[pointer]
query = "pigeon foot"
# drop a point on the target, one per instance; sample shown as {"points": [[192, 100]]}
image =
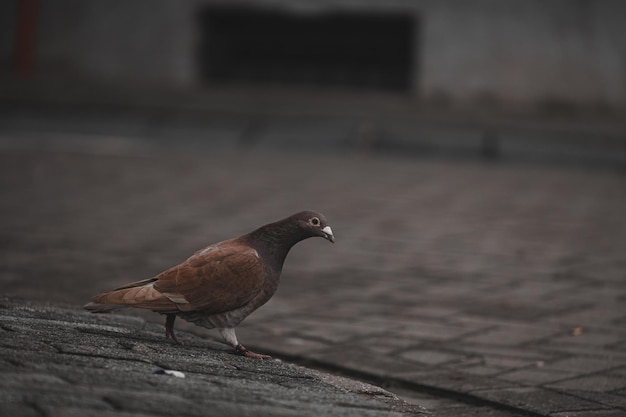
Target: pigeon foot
{"points": [[241, 350]]}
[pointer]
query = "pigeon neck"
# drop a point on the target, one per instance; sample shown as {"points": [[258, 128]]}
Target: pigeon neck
{"points": [[275, 240]]}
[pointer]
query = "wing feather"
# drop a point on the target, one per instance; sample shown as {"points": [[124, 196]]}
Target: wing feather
{"points": [[217, 279], [140, 294]]}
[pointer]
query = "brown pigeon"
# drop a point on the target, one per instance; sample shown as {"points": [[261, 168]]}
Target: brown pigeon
{"points": [[221, 284]]}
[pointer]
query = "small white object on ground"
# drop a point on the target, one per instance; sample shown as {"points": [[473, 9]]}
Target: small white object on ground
{"points": [[170, 372]]}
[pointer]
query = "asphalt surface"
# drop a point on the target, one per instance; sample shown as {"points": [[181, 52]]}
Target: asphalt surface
{"points": [[62, 362], [463, 287]]}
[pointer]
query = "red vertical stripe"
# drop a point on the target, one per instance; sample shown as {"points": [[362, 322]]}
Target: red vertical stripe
{"points": [[26, 38]]}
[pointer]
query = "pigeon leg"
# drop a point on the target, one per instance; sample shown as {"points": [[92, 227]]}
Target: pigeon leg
{"points": [[169, 327], [231, 338]]}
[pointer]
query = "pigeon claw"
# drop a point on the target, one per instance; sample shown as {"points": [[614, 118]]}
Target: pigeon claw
{"points": [[241, 350]]}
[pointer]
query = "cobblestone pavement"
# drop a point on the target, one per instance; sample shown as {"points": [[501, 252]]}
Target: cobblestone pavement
{"points": [[484, 284]]}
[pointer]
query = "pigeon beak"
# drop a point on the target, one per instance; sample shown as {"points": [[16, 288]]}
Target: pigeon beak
{"points": [[328, 234]]}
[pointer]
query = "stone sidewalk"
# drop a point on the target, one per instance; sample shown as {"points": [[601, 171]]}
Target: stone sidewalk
{"points": [[486, 285]]}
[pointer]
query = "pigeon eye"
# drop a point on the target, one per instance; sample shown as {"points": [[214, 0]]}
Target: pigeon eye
{"points": [[315, 221]]}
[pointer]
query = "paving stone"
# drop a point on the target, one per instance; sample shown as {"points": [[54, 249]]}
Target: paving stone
{"points": [[579, 350], [434, 330], [600, 383], [431, 357], [452, 380], [511, 335], [480, 370], [292, 344], [538, 400], [589, 338], [586, 365], [501, 354], [535, 377], [386, 343], [353, 357]]}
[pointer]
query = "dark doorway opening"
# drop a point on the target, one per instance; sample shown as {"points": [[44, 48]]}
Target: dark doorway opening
{"points": [[337, 50]]}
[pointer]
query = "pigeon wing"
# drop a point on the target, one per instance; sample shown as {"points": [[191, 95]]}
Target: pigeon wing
{"points": [[217, 279]]}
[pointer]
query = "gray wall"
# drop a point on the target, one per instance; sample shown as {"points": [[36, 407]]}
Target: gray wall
{"points": [[526, 51], [145, 41], [518, 52]]}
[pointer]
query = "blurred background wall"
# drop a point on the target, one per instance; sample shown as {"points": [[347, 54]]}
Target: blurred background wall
{"points": [[486, 53]]}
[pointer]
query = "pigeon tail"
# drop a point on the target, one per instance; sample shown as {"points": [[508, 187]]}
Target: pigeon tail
{"points": [[140, 294], [101, 308]]}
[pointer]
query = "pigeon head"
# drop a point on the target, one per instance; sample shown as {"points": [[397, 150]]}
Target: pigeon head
{"points": [[280, 236], [313, 224]]}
